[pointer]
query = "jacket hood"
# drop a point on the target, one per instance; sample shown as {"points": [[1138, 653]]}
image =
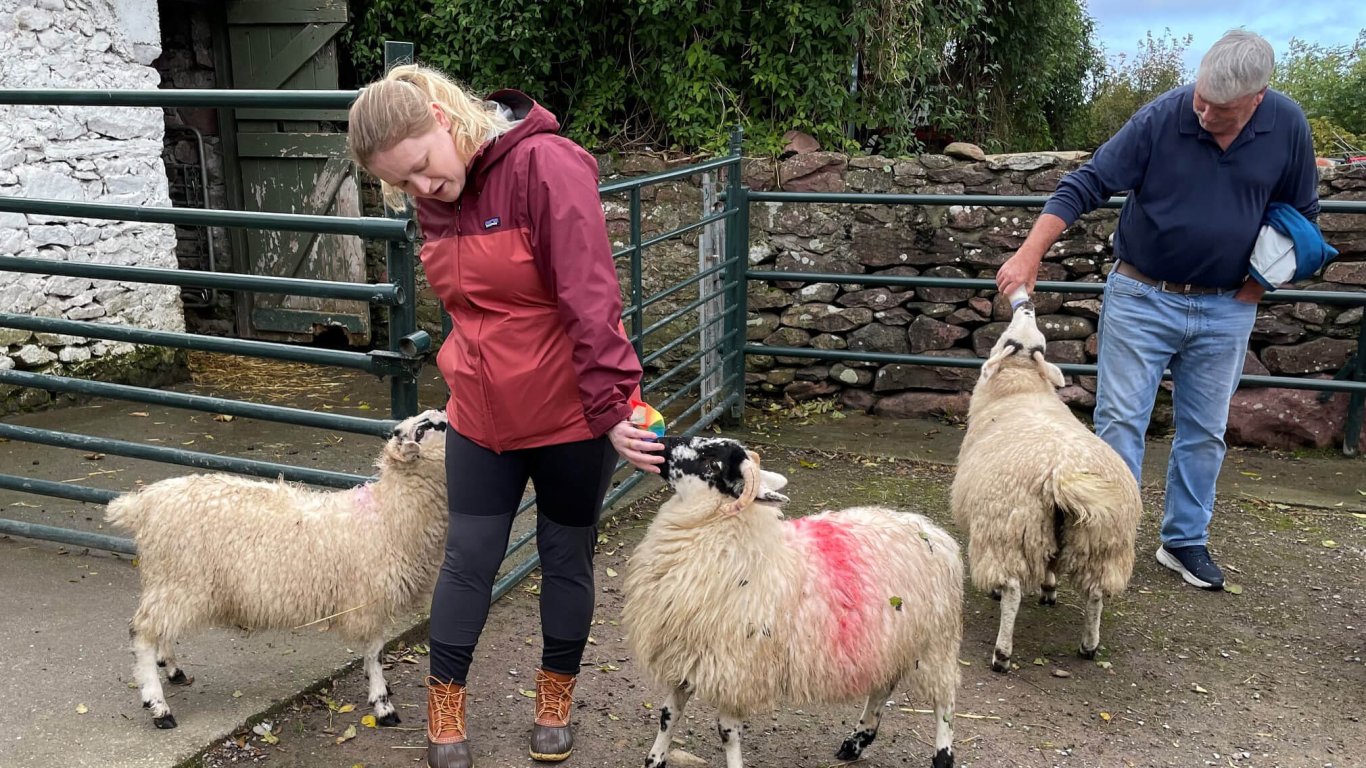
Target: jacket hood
{"points": [[532, 119]]}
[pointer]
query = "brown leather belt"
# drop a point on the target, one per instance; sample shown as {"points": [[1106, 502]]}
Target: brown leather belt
{"points": [[1129, 271]]}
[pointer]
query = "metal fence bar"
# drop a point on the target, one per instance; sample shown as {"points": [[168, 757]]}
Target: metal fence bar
{"points": [[59, 490], [986, 201], [398, 259], [181, 457], [637, 289], [1285, 295], [67, 536], [677, 173], [1284, 382], [377, 228], [689, 307], [680, 231], [247, 410], [264, 349], [382, 293], [178, 97]]}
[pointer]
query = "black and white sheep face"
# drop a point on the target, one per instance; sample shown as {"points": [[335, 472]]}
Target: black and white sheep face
{"points": [[1023, 339], [426, 426], [716, 463]]}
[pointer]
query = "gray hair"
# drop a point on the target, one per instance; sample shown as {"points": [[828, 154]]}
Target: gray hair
{"points": [[1239, 64]]}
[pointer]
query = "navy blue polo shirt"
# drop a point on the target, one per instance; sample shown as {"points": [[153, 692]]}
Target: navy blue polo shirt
{"points": [[1194, 210]]}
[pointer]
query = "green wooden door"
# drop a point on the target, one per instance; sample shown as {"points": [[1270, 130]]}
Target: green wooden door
{"points": [[294, 161]]}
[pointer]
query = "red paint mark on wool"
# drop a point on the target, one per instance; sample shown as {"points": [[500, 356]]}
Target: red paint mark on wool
{"points": [[843, 585]]}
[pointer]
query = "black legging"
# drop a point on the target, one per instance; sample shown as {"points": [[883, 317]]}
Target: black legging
{"points": [[485, 489]]}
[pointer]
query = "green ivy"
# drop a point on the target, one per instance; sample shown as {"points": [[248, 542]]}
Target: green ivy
{"points": [[679, 74]]}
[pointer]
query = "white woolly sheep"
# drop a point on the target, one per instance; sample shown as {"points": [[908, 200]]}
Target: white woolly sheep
{"points": [[727, 601], [1038, 494], [222, 550]]}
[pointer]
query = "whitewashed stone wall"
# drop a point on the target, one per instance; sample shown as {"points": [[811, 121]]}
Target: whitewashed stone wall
{"points": [[82, 154]]}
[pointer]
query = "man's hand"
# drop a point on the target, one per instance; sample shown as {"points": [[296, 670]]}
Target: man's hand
{"points": [[1251, 292], [1021, 269]]}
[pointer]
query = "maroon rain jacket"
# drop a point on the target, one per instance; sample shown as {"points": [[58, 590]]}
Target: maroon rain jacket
{"points": [[537, 355]]}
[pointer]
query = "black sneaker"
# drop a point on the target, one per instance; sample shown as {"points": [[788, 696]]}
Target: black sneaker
{"points": [[1194, 565]]}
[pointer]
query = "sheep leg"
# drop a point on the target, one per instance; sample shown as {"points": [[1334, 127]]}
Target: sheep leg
{"points": [[1049, 589], [1010, 605], [729, 728], [1090, 640], [385, 714], [175, 674], [868, 723], [669, 715], [149, 683], [943, 730]]}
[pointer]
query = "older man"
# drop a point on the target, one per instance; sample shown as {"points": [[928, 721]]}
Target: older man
{"points": [[1201, 164]]}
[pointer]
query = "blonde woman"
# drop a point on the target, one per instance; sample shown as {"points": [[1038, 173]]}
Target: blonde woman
{"points": [[539, 368]]}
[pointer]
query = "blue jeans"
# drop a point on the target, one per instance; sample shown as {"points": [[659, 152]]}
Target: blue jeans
{"points": [[1203, 340]]}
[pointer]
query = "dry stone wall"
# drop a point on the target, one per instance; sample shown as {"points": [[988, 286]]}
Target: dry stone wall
{"points": [[81, 154], [970, 241]]}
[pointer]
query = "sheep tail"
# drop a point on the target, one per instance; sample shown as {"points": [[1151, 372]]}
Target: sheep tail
{"points": [[1081, 494], [125, 511], [750, 471]]}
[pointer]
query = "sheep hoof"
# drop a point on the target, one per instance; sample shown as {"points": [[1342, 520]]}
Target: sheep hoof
{"points": [[389, 721], [996, 595], [1087, 654], [165, 722], [1048, 598], [943, 759], [180, 678], [1000, 662]]}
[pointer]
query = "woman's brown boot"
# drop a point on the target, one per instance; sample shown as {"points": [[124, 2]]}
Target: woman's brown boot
{"points": [[551, 739], [446, 745]]}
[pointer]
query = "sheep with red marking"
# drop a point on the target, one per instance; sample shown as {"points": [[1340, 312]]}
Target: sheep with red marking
{"points": [[729, 602], [222, 550], [1037, 492]]}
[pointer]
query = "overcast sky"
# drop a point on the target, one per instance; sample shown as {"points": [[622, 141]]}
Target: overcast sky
{"points": [[1120, 24]]}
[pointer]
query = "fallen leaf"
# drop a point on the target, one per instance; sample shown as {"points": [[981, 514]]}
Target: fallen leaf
{"points": [[612, 717], [1061, 673], [526, 693], [237, 694], [896, 602], [81, 709], [1233, 589], [964, 662], [808, 464], [138, 413], [1104, 664], [223, 417], [369, 721], [347, 735], [270, 738], [343, 709], [611, 574], [1196, 687], [1105, 716], [1252, 475], [1329, 543], [608, 668], [1039, 662]]}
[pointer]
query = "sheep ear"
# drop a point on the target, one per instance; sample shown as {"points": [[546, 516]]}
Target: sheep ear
{"points": [[993, 363], [769, 485], [1050, 372]]}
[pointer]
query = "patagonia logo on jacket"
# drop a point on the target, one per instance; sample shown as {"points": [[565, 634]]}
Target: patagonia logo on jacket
{"points": [[493, 222]]}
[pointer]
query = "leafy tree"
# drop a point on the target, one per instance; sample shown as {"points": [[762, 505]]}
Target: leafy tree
{"points": [[1329, 82], [680, 73], [1127, 84]]}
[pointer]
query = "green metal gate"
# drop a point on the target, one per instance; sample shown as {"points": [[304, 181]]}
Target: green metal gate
{"points": [[291, 160]]}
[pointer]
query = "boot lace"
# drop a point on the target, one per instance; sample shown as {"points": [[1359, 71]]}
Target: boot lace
{"points": [[448, 707], [553, 698]]}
